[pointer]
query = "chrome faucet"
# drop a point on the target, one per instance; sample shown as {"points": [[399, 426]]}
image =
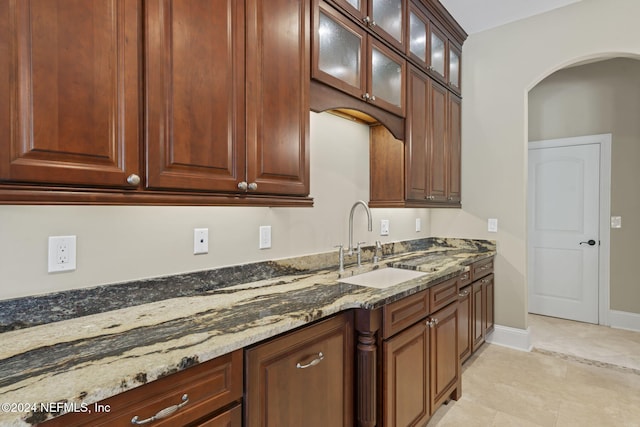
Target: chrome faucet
{"points": [[369, 224]]}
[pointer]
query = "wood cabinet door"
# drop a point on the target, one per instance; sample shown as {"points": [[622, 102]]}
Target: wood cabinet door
{"points": [[387, 78], [488, 287], [387, 19], [445, 359], [194, 94], [230, 418], [405, 376], [479, 318], [303, 378], [454, 149], [70, 110], [339, 51], [277, 95], [464, 323], [437, 143], [417, 129]]}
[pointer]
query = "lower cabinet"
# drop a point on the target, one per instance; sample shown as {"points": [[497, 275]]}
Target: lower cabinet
{"points": [[208, 394], [445, 361], [464, 323], [303, 378], [407, 358], [476, 308]]}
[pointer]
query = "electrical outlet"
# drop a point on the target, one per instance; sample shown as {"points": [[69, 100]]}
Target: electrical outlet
{"points": [[492, 225], [384, 227], [62, 253], [200, 241], [418, 225], [265, 237]]}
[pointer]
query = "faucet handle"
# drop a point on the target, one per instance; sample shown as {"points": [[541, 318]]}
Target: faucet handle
{"points": [[359, 244]]}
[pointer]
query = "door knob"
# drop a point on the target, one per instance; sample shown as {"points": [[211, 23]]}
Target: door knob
{"points": [[590, 242]]}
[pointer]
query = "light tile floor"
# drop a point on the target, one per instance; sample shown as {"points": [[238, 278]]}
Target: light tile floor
{"points": [[506, 387]]}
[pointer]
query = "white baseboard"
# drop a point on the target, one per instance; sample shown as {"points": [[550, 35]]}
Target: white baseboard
{"points": [[624, 320], [505, 336]]}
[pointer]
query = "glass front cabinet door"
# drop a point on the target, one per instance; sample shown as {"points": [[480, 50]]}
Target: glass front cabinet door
{"points": [[387, 78], [455, 63], [417, 47], [387, 20], [339, 51], [438, 54]]}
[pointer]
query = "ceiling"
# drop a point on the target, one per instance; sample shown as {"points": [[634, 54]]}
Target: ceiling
{"points": [[479, 15]]}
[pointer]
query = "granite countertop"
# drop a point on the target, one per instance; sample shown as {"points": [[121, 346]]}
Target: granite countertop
{"points": [[89, 352]]}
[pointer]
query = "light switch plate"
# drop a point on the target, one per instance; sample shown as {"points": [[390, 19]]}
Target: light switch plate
{"points": [[492, 225], [265, 237], [616, 222], [418, 225]]}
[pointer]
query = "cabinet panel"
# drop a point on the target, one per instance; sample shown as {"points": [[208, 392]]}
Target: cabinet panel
{"points": [[488, 287], [195, 94], [406, 378], [479, 323], [278, 74], [455, 150], [302, 378], [445, 360], [416, 134], [464, 323], [73, 101], [443, 294], [437, 143]]}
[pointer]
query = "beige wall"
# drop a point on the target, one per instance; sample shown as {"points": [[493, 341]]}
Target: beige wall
{"points": [[118, 244], [500, 66], [603, 97]]}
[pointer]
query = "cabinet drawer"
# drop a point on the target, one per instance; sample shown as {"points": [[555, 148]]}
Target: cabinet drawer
{"points": [[401, 314], [302, 378], [482, 268], [209, 387], [465, 278], [443, 294]]}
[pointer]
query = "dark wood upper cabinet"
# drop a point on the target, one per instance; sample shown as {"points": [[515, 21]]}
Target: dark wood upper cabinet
{"points": [[156, 102], [278, 75], [70, 93], [385, 18], [349, 59], [455, 68], [195, 94], [454, 172], [437, 155]]}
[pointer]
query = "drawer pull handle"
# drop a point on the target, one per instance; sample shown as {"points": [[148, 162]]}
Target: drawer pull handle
{"points": [[463, 294], [485, 281], [314, 362], [431, 323], [164, 413]]}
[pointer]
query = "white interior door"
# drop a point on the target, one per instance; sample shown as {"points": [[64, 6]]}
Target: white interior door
{"points": [[564, 243]]}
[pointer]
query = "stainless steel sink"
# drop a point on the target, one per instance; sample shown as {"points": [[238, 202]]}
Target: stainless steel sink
{"points": [[383, 278]]}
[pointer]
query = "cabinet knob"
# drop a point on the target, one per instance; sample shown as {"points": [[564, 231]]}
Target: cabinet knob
{"points": [[369, 22], [252, 186], [243, 186], [432, 322], [133, 179], [366, 96]]}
